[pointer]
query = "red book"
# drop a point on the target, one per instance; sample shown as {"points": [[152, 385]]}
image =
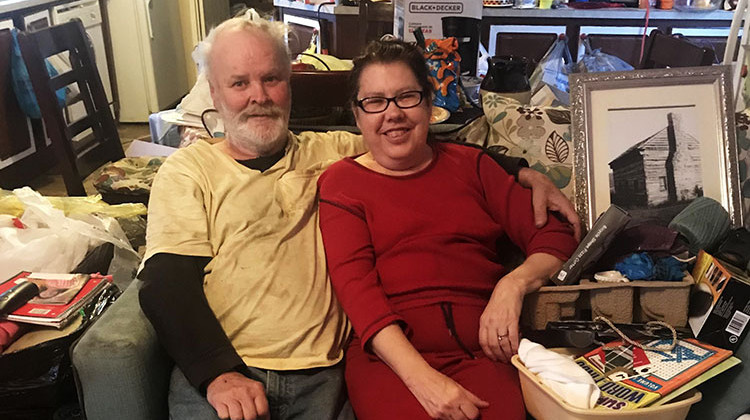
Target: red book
{"points": [[630, 377], [60, 298]]}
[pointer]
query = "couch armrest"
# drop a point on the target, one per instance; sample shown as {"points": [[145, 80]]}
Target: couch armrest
{"points": [[121, 369]]}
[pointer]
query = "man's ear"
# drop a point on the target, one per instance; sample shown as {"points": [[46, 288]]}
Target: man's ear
{"points": [[212, 91]]}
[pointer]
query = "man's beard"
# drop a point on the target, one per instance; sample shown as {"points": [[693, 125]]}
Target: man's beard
{"points": [[257, 137]]}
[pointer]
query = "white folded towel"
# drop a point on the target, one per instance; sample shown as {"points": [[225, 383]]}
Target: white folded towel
{"points": [[568, 380]]}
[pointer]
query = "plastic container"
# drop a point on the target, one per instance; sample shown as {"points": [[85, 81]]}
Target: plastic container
{"points": [[697, 5], [544, 404]]}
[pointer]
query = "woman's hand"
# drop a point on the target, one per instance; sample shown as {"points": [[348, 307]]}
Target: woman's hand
{"points": [[444, 398], [439, 395], [498, 325]]}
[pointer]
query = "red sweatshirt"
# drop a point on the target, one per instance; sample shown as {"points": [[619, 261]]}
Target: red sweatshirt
{"points": [[397, 242]]}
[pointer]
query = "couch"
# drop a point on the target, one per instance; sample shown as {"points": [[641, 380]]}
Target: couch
{"points": [[122, 371]]}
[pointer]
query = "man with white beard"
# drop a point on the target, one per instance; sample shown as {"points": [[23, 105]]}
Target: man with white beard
{"points": [[236, 284]]}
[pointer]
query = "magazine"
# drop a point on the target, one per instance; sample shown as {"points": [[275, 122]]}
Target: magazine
{"points": [[630, 377], [48, 310], [56, 289]]}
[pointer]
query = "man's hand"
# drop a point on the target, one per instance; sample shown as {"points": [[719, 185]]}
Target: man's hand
{"points": [[546, 196], [237, 397]]}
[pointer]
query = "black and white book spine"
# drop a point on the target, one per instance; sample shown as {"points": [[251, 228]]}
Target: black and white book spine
{"points": [[593, 245]]}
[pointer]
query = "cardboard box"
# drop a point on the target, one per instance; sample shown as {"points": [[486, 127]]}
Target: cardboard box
{"points": [[411, 14], [623, 303], [720, 309]]}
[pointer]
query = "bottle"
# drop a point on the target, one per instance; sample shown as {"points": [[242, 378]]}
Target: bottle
{"points": [[666, 4]]}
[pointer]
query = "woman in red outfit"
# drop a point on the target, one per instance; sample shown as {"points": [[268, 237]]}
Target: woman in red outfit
{"points": [[411, 230]]}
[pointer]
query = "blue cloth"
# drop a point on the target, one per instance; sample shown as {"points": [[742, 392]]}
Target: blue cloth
{"points": [[641, 266], [636, 267], [669, 269], [22, 82], [302, 394]]}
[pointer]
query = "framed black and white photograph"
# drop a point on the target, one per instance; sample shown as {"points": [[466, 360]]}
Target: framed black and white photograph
{"points": [[651, 141]]}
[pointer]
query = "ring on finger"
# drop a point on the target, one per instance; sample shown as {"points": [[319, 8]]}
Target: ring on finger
{"points": [[501, 337]]}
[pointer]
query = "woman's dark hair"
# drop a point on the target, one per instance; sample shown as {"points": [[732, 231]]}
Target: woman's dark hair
{"points": [[391, 51]]}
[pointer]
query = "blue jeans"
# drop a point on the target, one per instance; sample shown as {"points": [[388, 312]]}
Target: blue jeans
{"points": [[299, 394]]}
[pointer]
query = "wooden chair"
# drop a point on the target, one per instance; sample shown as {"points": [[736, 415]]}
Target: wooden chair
{"points": [[532, 46], [625, 47], [76, 158], [662, 51]]}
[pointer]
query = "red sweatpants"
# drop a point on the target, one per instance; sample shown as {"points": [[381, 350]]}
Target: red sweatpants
{"points": [[377, 393]]}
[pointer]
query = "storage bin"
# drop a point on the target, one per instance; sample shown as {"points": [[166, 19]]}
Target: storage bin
{"points": [[544, 404], [635, 301]]}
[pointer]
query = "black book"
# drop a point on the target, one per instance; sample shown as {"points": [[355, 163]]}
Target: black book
{"points": [[593, 245]]}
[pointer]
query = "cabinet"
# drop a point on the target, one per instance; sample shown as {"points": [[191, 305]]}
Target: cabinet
{"points": [[344, 30], [25, 151]]}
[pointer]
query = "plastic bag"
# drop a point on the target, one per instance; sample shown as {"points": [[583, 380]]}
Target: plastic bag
{"points": [[443, 63], [52, 242], [92, 204], [594, 60], [36, 380], [553, 69]]}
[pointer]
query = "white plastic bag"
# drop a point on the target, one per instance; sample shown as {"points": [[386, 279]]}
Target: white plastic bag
{"points": [[553, 70], [594, 60], [53, 242]]}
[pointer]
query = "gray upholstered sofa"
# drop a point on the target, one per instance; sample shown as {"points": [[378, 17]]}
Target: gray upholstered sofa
{"points": [[121, 370]]}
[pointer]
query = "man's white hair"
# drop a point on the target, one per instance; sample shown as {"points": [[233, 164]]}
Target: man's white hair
{"points": [[251, 22]]}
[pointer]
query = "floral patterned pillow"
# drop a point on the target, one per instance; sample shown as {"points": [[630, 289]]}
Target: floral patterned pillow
{"points": [[540, 135], [742, 122]]}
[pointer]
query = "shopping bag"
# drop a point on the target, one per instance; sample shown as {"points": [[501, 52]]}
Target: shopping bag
{"points": [[554, 68], [594, 60], [443, 63], [49, 241]]}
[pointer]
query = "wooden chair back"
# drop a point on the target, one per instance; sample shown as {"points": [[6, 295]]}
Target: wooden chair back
{"points": [[531, 46], [624, 47], [662, 51], [100, 142]]}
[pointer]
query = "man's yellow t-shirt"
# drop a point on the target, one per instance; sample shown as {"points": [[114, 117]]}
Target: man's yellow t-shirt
{"points": [[267, 281]]}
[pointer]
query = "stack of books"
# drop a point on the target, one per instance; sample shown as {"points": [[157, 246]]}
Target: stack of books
{"points": [[60, 296], [630, 377]]}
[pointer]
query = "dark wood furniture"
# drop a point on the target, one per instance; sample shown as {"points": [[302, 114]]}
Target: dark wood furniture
{"points": [[625, 47], [344, 30], [662, 51], [531, 46], [77, 158], [319, 98], [573, 20]]}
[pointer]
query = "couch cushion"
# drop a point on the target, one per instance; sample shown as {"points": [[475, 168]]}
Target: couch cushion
{"points": [[540, 135], [122, 371]]}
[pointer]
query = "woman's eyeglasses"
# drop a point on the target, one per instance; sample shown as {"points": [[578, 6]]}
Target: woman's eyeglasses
{"points": [[405, 100]]}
